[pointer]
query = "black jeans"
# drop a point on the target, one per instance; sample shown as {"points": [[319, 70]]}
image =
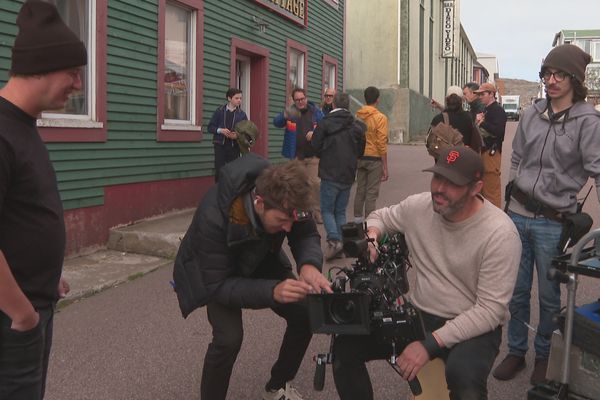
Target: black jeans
{"points": [[468, 363], [24, 358], [224, 154], [228, 332]]}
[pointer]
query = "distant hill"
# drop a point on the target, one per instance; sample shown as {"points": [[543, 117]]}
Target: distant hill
{"points": [[526, 89]]}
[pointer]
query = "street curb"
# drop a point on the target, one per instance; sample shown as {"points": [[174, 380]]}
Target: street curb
{"points": [[94, 289]]}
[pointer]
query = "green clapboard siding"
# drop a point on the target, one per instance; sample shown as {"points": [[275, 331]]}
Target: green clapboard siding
{"points": [[131, 153]]}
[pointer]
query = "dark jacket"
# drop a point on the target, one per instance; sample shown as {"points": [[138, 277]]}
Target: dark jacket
{"points": [[462, 121], [494, 123], [339, 140], [292, 139], [224, 260], [476, 107], [218, 121]]}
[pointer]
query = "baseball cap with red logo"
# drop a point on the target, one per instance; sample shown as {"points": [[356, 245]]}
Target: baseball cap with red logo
{"points": [[459, 164]]}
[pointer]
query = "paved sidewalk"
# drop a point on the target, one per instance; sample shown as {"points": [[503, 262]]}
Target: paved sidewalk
{"points": [[132, 251]]}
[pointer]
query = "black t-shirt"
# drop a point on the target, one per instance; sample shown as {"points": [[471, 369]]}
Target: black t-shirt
{"points": [[32, 228]]}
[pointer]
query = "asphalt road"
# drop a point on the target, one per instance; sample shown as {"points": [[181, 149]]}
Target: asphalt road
{"points": [[130, 342]]}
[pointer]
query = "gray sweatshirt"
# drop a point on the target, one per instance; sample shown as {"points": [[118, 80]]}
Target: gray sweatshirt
{"points": [[464, 271], [552, 160]]}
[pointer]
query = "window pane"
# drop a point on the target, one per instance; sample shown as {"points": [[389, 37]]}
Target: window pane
{"points": [[177, 63], [596, 51], [330, 76], [296, 77], [75, 13]]}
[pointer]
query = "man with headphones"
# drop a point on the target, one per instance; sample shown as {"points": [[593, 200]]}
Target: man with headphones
{"points": [[555, 150]]}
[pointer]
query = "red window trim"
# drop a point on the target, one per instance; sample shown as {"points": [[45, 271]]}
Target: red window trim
{"points": [[259, 98], [327, 59], [292, 44], [65, 134], [171, 135]]}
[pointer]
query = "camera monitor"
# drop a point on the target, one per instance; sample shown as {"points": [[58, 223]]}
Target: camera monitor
{"points": [[340, 313]]}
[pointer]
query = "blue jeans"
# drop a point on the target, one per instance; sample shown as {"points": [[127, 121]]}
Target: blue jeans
{"points": [[334, 200], [24, 357], [539, 238]]}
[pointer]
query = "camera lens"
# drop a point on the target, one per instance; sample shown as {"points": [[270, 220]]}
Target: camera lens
{"points": [[343, 311]]}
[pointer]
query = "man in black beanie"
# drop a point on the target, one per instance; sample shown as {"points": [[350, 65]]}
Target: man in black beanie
{"points": [[45, 70], [555, 150]]}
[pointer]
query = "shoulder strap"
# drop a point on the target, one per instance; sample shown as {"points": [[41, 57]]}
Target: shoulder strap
{"points": [[446, 119]]}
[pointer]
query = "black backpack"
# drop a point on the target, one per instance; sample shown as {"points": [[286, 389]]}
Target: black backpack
{"points": [[442, 136]]}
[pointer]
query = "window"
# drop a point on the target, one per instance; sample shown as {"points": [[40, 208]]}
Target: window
{"points": [[296, 65], [330, 67], [179, 70], [595, 51], [85, 111]]}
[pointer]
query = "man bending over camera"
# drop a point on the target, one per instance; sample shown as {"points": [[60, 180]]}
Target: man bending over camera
{"points": [[465, 252], [231, 259]]}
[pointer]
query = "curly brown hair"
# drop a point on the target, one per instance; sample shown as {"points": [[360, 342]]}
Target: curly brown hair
{"points": [[286, 185]]}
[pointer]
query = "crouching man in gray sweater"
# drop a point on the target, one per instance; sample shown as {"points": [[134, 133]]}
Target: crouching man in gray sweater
{"points": [[465, 253]]}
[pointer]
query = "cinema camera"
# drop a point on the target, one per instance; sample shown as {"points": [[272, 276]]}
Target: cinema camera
{"points": [[368, 299]]}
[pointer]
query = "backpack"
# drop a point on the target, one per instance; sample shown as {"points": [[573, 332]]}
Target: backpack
{"points": [[442, 136]]}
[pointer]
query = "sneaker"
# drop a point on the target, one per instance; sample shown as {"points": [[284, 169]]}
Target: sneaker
{"points": [[333, 248], [539, 371], [285, 393], [509, 367]]}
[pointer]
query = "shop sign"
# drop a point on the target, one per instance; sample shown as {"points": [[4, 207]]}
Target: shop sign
{"points": [[448, 29], [292, 9]]}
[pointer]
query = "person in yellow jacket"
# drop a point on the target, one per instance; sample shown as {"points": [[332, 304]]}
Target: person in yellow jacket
{"points": [[372, 166]]}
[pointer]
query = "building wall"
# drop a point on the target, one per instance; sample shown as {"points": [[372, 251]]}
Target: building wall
{"points": [[372, 50], [420, 71], [131, 175]]}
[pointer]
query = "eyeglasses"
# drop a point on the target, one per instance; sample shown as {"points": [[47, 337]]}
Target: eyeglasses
{"points": [[328, 95], [300, 100], [559, 76], [295, 214]]}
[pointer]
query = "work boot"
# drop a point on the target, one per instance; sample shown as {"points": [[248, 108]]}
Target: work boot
{"points": [[509, 367], [332, 249], [539, 371]]}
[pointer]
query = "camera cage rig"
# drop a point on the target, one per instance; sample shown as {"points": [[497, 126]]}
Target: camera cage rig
{"points": [[369, 298]]}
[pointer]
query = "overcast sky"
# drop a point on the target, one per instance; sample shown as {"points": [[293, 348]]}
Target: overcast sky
{"points": [[520, 32]]}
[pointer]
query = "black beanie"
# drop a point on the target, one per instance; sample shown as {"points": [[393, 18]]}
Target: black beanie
{"points": [[44, 42], [568, 58]]}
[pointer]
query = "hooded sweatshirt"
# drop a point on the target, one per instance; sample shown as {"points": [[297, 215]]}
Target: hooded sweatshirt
{"points": [[377, 131], [552, 160]]}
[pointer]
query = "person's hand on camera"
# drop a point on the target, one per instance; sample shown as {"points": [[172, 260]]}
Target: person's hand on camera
{"points": [[318, 283], [411, 360], [373, 234], [290, 291]]}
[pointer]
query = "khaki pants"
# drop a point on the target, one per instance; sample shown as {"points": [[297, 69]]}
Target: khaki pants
{"points": [[312, 165], [491, 178]]}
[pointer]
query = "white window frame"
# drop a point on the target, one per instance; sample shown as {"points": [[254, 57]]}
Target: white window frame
{"points": [[187, 124], [90, 119]]}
